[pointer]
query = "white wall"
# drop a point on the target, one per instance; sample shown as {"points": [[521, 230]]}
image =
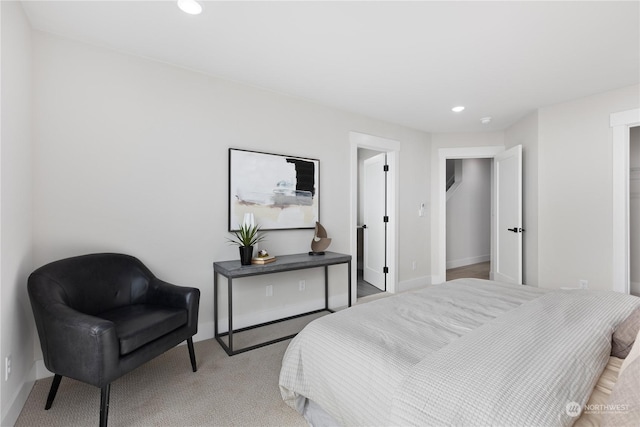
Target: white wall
{"points": [[469, 215], [414, 178], [131, 156], [525, 133], [575, 189], [634, 202], [17, 326]]}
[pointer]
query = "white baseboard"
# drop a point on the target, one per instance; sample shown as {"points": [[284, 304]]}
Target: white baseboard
{"points": [[205, 332], [10, 417], [467, 261], [41, 370], [418, 282], [436, 279], [249, 319], [206, 329]]}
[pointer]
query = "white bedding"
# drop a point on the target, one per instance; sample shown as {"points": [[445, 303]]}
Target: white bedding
{"points": [[437, 356]]}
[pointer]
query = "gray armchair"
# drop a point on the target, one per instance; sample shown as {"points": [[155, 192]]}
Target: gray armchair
{"points": [[100, 316]]}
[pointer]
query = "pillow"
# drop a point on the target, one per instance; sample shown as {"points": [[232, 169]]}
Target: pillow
{"points": [[625, 335]]}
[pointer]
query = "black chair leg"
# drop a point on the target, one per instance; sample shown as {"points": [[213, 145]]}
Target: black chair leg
{"points": [[104, 404], [53, 390], [192, 354]]}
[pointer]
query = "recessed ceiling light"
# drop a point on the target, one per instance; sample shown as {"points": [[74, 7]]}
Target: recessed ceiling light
{"points": [[485, 120], [457, 109], [192, 7]]}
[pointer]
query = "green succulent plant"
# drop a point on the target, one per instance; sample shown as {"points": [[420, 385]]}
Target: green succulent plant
{"points": [[246, 235]]}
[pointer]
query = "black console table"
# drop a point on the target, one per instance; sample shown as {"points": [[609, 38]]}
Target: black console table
{"points": [[233, 270]]}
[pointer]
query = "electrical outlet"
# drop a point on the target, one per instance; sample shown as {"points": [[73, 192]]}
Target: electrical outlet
{"points": [[301, 285], [7, 367], [269, 290], [413, 264], [584, 284]]}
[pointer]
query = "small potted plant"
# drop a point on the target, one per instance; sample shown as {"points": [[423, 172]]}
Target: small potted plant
{"points": [[246, 237]]}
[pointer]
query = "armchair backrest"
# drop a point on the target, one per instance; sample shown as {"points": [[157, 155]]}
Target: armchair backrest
{"points": [[92, 284]]}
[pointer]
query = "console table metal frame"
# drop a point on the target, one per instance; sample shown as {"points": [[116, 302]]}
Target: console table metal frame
{"points": [[233, 269]]}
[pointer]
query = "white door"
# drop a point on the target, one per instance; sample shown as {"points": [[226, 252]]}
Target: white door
{"points": [[374, 203], [508, 211]]}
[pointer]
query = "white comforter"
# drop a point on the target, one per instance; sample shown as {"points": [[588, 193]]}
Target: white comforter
{"points": [[468, 352]]}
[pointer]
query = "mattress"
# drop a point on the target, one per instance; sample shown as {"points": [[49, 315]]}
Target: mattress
{"points": [[464, 352], [318, 417]]}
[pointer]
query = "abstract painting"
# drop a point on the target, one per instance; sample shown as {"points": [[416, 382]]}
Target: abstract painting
{"points": [[282, 192]]}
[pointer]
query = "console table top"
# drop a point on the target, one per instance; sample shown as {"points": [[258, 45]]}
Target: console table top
{"points": [[234, 269]]}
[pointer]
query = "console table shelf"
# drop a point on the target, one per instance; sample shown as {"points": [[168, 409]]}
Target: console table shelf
{"points": [[233, 270]]}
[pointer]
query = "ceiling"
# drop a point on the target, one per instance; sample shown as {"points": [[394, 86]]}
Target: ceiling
{"points": [[403, 62]]}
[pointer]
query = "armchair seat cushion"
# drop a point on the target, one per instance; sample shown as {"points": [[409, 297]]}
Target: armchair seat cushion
{"points": [[139, 324]]}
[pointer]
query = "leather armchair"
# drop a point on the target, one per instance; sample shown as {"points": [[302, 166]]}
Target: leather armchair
{"points": [[100, 316]]}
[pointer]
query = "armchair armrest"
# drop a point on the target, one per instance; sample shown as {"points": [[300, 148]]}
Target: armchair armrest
{"points": [[72, 336], [166, 294], [163, 293]]}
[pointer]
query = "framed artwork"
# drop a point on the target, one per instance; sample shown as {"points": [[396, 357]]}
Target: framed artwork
{"points": [[282, 192]]}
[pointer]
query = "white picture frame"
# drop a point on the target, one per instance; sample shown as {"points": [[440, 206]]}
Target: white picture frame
{"points": [[282, 192]]}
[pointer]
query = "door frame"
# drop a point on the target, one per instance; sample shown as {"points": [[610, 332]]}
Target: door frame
{"points": [[439, 197], [621, 124], [392, 148]]}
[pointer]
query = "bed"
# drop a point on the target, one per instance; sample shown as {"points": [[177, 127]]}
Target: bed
{"points": [[467, 352]]}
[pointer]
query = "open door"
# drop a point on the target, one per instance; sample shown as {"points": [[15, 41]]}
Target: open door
{"points": [[374, 213], [508, 211]]}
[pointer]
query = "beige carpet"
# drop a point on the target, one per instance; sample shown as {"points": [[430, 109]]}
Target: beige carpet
{"points": [[226, 391]]}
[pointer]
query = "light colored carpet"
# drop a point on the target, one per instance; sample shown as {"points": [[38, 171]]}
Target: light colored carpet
{"points": [[226, 391]]}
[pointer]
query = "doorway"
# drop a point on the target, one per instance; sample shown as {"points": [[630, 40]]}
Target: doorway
{"points": [[468, 218], [390, 148], [372, 233], [622, 123], [506, 224]]}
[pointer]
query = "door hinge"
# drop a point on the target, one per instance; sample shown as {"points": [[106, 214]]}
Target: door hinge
{"points": [[385, 270], [385, 168], [385, 218]]}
